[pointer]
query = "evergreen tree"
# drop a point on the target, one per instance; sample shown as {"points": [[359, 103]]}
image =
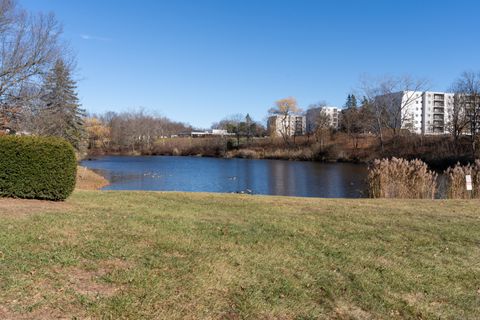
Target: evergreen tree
{"points": [[62, 113], [353, 101], [364, 101], [349, 102]]}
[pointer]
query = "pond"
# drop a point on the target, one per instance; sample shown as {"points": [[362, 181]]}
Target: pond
{"points": [[197, 174]]}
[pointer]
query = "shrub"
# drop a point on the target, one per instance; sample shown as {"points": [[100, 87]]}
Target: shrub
{"points": [[400, 178], [36, 168], [456, 183]]}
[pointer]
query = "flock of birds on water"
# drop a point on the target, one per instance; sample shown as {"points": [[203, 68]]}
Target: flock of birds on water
{"points": [[155, 175]]}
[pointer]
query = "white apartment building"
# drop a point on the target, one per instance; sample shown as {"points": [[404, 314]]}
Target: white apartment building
{"points": [[426, 112], [312, 116], [438, 110], [291, 125]]}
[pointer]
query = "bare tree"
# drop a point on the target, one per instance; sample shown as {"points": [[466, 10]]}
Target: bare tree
{"points": [[323, 127], [466, 115], [135, 131], [285, 109], [390, 100], [233, 124], [29, 47], [458, 121], [319, 122], [352, 124]]}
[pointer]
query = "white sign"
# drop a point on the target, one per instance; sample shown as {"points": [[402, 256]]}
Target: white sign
{"points": [[468, 180]]}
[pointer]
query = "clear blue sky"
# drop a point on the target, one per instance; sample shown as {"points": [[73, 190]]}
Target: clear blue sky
{"points": [[198, 61]]}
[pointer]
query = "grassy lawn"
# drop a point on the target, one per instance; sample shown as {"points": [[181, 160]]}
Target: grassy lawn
{"points": [[205, 256]]}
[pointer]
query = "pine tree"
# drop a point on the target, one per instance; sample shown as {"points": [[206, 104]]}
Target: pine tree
{"points": [[353, 103], [63, 115], [349, 102]]}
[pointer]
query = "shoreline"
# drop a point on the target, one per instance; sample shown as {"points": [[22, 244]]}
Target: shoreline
{"points": [[91, 157], [437, 165], [89, 180]]}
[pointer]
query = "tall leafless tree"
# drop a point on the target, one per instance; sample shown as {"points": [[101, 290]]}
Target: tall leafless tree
{"points": [[466, 115], [285, 109], [135, 131], [390, 99], [29, 47], [320, 126]]}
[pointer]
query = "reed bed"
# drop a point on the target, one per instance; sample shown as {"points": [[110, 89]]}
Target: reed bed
{"points": [[456, 181], [400, 178]]}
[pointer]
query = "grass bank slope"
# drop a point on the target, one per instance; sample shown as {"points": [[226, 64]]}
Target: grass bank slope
{"points": [[206, 256]]}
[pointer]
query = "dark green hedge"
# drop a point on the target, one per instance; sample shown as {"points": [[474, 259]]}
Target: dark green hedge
{"points": [[36, 168]]}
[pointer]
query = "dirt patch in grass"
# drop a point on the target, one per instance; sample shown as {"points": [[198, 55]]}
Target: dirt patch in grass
{"points": [[89, 180], [53, 301], [22, 207], [89, 282], [38, 314], [346, 310], [110, 265], [45, 301]]}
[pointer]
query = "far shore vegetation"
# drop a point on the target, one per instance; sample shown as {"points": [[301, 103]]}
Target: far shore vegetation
{"points": [[439, 152]]}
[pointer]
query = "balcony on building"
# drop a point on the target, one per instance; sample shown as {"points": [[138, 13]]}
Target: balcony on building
{"points": [[438, 110], [438, 97]]}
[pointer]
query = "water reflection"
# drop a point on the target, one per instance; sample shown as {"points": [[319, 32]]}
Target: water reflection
{"points": [[273, 177]]}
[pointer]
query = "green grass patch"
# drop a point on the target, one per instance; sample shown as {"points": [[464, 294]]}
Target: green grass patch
{"points": [[211, 256]]}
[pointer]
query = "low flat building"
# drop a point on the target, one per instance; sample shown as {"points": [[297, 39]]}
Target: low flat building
{"points": [[205, 133]]}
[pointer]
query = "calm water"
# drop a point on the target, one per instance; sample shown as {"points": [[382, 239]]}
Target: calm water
{"points": [[272, 177]]}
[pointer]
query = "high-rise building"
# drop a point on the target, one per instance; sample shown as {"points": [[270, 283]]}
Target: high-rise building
{"points": [[313, 114], [426, 112], [286, 125]]}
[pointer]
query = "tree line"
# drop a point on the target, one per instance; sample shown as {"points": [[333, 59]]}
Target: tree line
{"points": [[131, 132]]}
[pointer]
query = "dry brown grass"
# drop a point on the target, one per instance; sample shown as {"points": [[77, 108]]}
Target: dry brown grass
{"points": [[456, 181], [86, 180], [89, 180], [400, 178], [23, 207], [210, 146]]}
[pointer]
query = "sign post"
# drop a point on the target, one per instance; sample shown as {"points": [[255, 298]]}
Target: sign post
{"points": [[468, 182]]}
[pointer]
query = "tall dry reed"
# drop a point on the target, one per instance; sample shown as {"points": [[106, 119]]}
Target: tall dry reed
{"points": [[400, 178], [456, 181]]}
